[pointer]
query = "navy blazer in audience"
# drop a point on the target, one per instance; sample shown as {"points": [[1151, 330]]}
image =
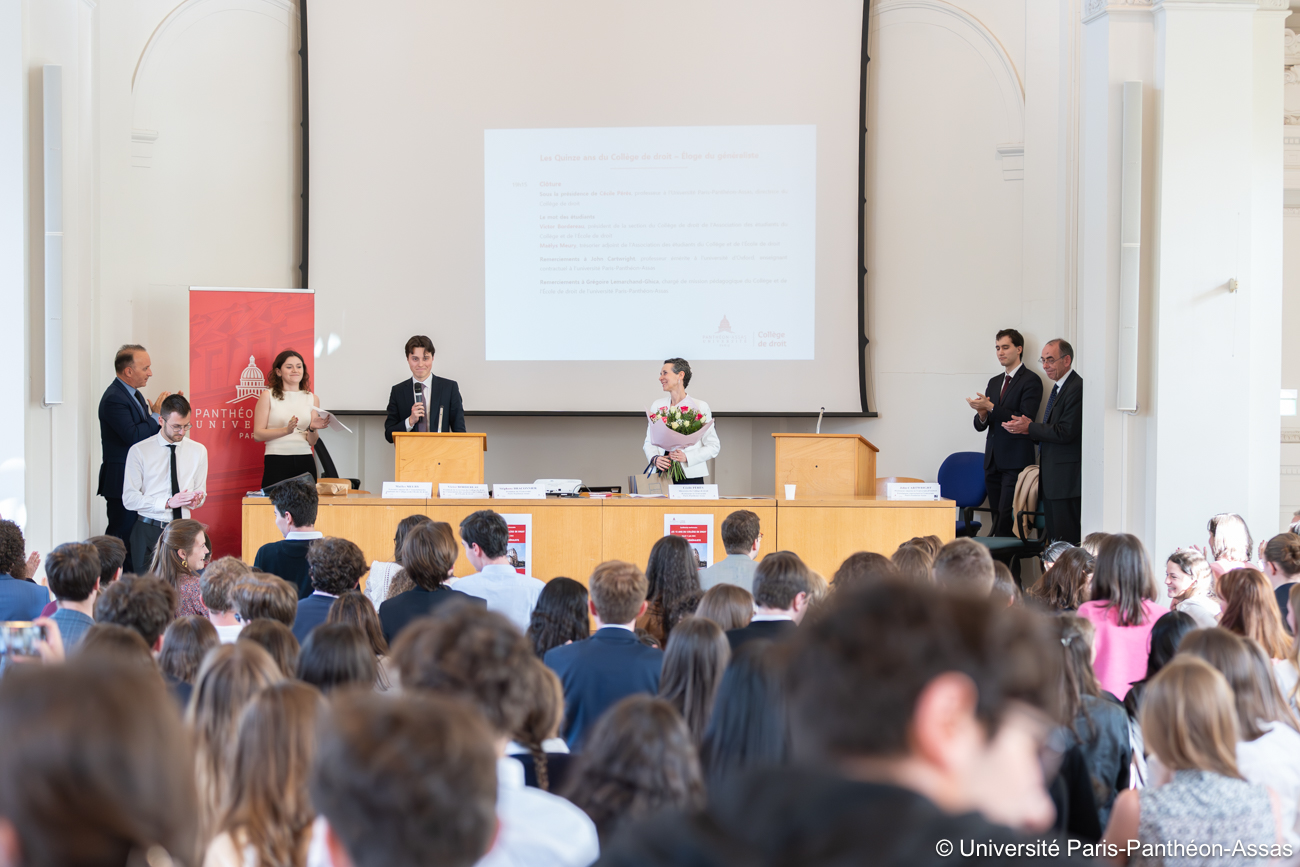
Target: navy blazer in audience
{"points": [[21, 600], [770, 630], [287, 559], [312, 612], [395, 613], [599, 671]]}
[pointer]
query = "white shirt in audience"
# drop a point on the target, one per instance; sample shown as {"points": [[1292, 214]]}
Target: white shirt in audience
{"points": [[537, 829], [379, 580], [1273, 760], [228, 634], [505, 591]]}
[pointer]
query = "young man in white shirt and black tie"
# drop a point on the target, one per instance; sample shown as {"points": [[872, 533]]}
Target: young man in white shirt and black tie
{"points": [[166, 477], [424, 402]]}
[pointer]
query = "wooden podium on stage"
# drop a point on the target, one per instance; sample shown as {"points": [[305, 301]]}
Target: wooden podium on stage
{"points": [[824, 465], [454, 458]]}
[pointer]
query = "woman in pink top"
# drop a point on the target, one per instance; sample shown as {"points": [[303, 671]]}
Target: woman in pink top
{"points": [[1123, 610]]}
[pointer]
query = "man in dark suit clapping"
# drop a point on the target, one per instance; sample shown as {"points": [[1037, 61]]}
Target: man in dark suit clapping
{"points": [[1015, 391], [438, 398]]}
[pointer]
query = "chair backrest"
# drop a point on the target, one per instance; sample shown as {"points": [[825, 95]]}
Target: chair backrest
{"points": [[881, 483], [961, 479]]}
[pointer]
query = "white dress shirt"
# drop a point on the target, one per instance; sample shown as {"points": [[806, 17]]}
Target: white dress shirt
{"points": [[537, 829], [427, 382], [698, 455], [505, 591], [148, 483]]}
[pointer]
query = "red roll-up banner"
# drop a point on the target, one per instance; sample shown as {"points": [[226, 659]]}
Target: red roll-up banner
{"points": [[235, 334]]}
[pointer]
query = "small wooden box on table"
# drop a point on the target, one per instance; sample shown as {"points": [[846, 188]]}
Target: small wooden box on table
{"points": [[452, 458]]}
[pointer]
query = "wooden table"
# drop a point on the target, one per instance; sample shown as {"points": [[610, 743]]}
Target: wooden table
{"points": [[824, 532]]}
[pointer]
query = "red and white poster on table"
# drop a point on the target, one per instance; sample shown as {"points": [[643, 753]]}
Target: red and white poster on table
{"points": [[696, 529], [520, 544], [235, 334]]}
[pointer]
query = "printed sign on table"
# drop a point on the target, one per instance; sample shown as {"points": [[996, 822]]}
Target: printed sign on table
{"points": [[696, 529], [520, 542]]}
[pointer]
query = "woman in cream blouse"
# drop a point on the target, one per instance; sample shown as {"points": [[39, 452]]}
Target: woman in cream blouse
{"points": [[286, 420], [674, 376]]}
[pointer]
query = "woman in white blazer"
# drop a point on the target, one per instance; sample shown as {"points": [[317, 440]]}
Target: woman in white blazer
{"points": [[674, 377]]}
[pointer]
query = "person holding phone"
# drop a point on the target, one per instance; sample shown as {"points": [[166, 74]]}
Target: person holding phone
{"points": [[424, 402], [287, 419]]}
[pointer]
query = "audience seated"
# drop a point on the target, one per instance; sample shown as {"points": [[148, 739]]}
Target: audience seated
{"points": [[353, 607], [337, 655], [381, 572], [727, 605], [1092, 542], [537, 744], [1052, 552], [697, 655], [560, 616], [864, 567], [112, 554], [277, 640], [20, 599], [1190, 583], [185, 643], [1231, 545], [334, 566], [742, 536], [748, 727], [73, 572], [1166, 638], [217, 590], [141, 602], [673, 577], [1064, 587], [179, 556], [405, 781], [1005, 589], [260, 595], [480, 657], [428, 556], [914, 563], [295, 503], [1124, 610], [612, 664], [1281, 565], [819, 590], [966, 566], [269, 816], [780, 599], [1249, 610], [639, 761], [486, 539]]}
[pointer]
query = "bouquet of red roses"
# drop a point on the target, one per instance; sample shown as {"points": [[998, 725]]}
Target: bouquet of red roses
{"points": [[674, 428]]}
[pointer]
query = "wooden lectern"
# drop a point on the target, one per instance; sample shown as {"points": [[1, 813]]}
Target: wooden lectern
{"points": [[825, 465], [453, 458]]}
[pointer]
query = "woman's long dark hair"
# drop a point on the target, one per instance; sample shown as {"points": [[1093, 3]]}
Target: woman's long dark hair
{"points": [[749, 727], [405, 526], [337, 654], [277, 384], [694, 661], [560, 615], [1166, 637], [1123, 577], [1063, 587], [673, 576]]}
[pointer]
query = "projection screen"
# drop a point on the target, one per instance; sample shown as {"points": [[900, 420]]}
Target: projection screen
{"points": [[564, 193]]}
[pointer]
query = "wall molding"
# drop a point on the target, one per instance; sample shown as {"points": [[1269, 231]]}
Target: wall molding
{"points": [[1291, 435], [1094, 9], [191, 12]]}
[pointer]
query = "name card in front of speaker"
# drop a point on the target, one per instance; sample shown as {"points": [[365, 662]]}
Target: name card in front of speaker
{"points": [[518, 492], [407, 490], [462, 492], [692, 492], [912, 491]]}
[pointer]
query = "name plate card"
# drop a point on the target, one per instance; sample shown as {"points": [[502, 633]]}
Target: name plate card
{"points": [[692, 492], [462, 492], [912, 491], [407, 490], [518, 492]]}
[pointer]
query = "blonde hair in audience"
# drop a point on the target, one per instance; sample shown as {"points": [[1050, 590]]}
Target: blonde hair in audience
{"points": [[1230, 538], [1092, 542], [818, 589], [728, 605], [617, 591], [1250, 610], [915, 563], [1250, 675], [1189, 718]]}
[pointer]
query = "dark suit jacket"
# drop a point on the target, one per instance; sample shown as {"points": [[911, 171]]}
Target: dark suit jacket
{"points": [[1062, 446], [1002, 450], [288, 560], [312, 612], [598, 671], [396, 613], [444, 393], [122, 424], [767, 630]]}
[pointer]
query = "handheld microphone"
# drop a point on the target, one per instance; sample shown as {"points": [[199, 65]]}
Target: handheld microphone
{"points": [[423, 424], [819, 420], [440, 409]]}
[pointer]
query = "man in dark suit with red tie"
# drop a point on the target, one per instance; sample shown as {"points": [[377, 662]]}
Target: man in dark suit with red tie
{"points": [[438, 401], [1015, 391], [125, 418]]}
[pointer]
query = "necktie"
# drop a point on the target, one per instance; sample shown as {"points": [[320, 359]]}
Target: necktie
{"points": [[144, 404], [176, 482], [1047, 413], [1006, 383], [423, 424]]}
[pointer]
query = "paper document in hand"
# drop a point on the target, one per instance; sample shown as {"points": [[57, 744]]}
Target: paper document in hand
{"points": [[333, 420]]}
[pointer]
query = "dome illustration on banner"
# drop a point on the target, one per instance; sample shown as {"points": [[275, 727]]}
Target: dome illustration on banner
{"points": [[251, 382], [724, 327]]}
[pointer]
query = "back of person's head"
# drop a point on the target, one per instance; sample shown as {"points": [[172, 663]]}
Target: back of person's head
{"points": [[542, 721], [1189, 719], [696, 656], [1250, 609], [260, 595], [13, 550], [403, 527], [1123, 577], [1053, 551], [488, 530], [275, 743], [277, 640], [1242, 662], [141, 602], [336, 655], [1077, 676], [185, 643], [672, 573], [335, 565], [914, 563], [429, 554], [297, 498], [819, 589], [406, 781], [1192, 563], [217, 584], [639, 759], [729, 606], [864, 567], [73, 571], [1092, 542], [930, 544], [966, 566], [1230, 538], [1166, 638], [355, 607], [560, 615], [617, 591], [112, 555], [1283, 551], [740, 530], [472, 654], [749, 726], [121, 644], [779, 579], [96, 768], [1005, 589], [1064, 587]]}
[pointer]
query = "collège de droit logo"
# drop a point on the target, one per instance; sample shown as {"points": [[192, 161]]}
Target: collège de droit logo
{"points": [[238, 419], [724, 336]]}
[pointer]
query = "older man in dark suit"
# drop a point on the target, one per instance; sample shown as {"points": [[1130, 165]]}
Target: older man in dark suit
{"points": [[125, 418]]}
